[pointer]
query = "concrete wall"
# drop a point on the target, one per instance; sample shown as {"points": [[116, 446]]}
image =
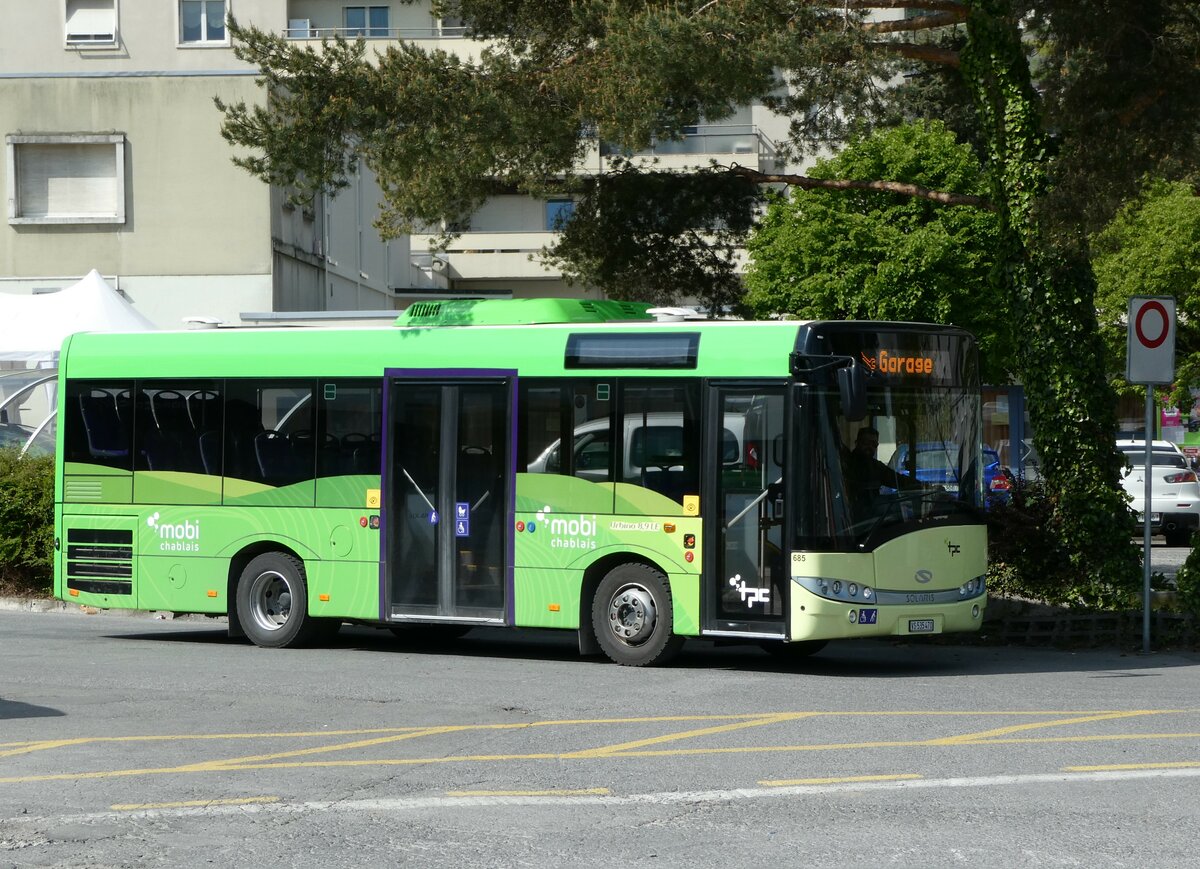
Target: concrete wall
{"points": [[147, 40], [188, 210]]}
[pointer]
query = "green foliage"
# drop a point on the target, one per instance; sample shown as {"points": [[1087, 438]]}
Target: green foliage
{"points": [[866, 255], [26, 520], [1120, 84], [1029, 556], [1152, 248], [1187, 583]]}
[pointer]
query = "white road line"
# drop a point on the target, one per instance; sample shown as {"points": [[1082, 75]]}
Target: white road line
{"points": [[406, 804]]}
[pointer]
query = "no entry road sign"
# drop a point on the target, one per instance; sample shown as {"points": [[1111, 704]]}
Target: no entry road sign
{"points": [[1151, 340]]}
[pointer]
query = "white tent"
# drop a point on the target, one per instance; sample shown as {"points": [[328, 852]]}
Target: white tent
{"points": [[32, 328]]}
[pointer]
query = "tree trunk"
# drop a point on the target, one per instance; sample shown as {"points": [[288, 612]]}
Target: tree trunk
{"points": [[1052, 292]]}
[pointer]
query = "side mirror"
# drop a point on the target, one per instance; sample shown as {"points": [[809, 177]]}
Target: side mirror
{"points": [[852, 389]]}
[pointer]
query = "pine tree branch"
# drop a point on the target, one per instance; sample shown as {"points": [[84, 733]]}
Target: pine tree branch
{"points": [[928, 5], [806, 182], [911, 25], [926, 53]]}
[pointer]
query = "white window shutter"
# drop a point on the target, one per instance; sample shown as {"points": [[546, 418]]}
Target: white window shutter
{"points": [[91, 20], [69, 181]]}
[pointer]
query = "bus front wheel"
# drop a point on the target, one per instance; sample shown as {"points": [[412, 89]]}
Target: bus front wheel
{"points": [[272, 602], [632, 616]]}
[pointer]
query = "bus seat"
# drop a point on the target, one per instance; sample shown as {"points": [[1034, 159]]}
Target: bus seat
{"points": [[107, 434], [169, 409], [210, 452], [276, 461], [204, 409]]}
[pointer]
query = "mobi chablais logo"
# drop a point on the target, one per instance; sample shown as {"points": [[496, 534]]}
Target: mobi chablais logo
{"points": [[178, 537], [578, 532]]}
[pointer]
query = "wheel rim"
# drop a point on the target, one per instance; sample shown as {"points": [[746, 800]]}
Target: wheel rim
{"points": [[631, 614], [270, 600]]}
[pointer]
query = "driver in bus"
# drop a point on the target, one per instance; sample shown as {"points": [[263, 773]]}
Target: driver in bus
{"points": [[866, 476]]}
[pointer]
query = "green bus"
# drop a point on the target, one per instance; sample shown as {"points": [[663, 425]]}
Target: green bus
{"points": [[582, 465]]}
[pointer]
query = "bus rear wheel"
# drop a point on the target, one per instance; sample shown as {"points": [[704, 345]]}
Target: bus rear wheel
{"points": [[272, 602], [632, 616]]}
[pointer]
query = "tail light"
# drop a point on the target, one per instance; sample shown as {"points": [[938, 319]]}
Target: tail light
{"points": [[1000, 483], [1181, 477]]}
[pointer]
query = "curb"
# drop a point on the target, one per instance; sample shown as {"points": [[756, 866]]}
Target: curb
{"points": [[51, 605]]}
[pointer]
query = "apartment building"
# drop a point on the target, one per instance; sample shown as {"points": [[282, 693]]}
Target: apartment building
{"points": [[114, 161]]}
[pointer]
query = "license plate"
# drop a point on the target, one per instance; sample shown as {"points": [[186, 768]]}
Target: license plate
{"points": [[920, 626], [1155, 518]]}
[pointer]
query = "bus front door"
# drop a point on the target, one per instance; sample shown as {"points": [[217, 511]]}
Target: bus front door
{"points": [[747, 591], [448, 481]]}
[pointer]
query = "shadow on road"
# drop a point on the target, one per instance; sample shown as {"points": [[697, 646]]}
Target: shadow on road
{"points": [[882, 658], [16, 709]]}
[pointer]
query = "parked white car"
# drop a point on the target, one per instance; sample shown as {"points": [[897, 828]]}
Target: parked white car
{"points": [[1174, 493], [1135, 448]]}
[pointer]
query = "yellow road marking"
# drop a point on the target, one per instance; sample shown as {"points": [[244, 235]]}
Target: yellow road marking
{"points": [[241, 801], [1036, 725], [30, 747], [582, 792], [1112, 767], [321, 749], [687, 734], [780, 783], [635, 748]]}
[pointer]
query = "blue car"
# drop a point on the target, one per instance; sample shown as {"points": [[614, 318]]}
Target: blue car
{"points": [[937, 465]]}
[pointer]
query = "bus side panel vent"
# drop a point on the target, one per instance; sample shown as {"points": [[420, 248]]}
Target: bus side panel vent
{"points": [[80, 491], [100, 560]]}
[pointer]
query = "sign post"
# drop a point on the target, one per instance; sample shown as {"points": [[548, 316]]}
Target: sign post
{"points": [[1150, 360]]}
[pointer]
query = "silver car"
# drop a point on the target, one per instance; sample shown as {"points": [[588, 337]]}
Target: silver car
{"points": [[1174, 494]]}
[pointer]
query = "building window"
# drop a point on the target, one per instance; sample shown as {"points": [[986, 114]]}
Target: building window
{"points": [[202, 21], [70, 178], [558, 212], [365, 20], [91, 22]]}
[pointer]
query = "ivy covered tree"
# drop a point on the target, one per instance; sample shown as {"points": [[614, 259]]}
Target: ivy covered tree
{"points": [[824, 254], [1118, 95]]}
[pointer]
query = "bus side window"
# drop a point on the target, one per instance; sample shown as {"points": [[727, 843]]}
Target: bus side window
{"points": [[592, 408], [268, 432], [661, 437], [98, 429], [349, 420], [540, 429], [167, 437]]}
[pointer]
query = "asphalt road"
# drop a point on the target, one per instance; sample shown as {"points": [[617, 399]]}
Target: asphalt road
{"points": [[130, 741]]}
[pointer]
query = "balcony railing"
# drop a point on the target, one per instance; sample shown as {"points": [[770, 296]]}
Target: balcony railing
{"points": [[310, 31], [706, 139]]}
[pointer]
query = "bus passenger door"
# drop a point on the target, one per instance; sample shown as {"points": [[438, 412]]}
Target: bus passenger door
{"points": [[746, 583], [447, 500]]}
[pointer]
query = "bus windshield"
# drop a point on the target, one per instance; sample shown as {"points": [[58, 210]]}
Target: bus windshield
{"points": [[914, 459]]}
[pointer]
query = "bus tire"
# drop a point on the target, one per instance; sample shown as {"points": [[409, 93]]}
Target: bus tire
{"points": [[794, 651], [632, 616], [272, 602]]}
